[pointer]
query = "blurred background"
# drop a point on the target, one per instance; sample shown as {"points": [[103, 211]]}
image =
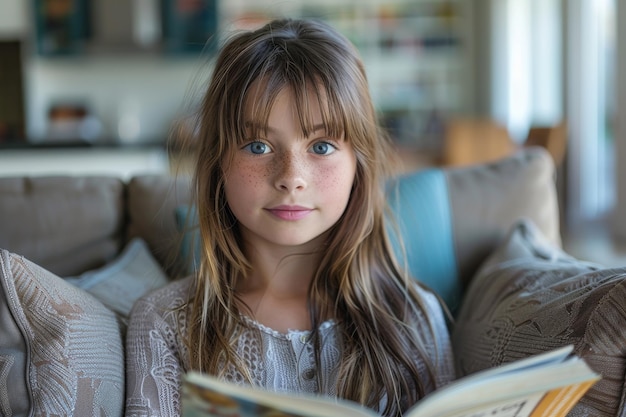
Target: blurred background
{"points": [[100, 86]]}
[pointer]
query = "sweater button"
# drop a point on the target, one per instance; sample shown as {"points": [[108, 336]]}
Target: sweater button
{"points": [[308, 374]]}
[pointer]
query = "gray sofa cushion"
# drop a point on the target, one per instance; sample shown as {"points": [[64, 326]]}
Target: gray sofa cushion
{"points": [[61, 350], [152, 202], [530, 297], [65, 224], [487, 199]]}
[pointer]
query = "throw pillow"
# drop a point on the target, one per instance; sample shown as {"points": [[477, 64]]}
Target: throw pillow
{"points": [[529, 297], [61, 350], [451, 218], [121, 282]]}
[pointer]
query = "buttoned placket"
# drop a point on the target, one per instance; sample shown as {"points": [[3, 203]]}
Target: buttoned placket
{"points": [[305, 356]]}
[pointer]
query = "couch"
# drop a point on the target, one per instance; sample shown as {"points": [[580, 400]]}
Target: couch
{"points": [[77, 251]]}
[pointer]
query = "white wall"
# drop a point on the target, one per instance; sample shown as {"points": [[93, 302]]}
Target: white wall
{"points": [[13, 20]]}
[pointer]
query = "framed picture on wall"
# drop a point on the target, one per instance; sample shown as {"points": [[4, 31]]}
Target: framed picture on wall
{"points": [[189, 25], [61, 26]]}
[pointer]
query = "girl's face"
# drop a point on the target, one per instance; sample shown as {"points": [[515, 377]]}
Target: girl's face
{"points": [[285, 189]]}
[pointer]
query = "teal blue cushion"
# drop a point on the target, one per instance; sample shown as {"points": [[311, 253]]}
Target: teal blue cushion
{"points": [[421, 206], [187, 222]]}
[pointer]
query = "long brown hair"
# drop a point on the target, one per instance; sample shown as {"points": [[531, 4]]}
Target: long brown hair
{"points": [[358, 282]]}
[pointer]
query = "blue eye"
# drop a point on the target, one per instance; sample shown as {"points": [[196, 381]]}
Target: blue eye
{"points": [[257, 148], [323, 148]]}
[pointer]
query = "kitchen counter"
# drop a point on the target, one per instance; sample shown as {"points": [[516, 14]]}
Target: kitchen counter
{"points": [[23, 158]]}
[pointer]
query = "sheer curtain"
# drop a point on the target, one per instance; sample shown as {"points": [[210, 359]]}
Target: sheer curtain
{"points": [[590, 98], [526, 64], [552, 60]]}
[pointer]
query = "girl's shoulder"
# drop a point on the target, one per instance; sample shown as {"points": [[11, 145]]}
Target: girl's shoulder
{"points": [[170, 297], [431, 301], [433, 314]]}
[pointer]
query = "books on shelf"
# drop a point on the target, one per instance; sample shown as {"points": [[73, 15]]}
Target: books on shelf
{"points": [[548, 384]]}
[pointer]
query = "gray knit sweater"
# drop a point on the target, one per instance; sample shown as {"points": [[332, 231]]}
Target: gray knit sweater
{"points": [[156, 359]]}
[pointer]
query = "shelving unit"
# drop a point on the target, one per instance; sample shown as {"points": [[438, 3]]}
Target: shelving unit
{"points": [[418, 55], [84, 27]]}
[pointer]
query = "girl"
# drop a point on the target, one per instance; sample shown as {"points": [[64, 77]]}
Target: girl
{"points": [[298, 289]]}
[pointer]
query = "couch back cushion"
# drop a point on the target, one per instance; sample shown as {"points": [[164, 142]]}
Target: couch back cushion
{"points": [[450, 219], [65, 224], [152, 203]]}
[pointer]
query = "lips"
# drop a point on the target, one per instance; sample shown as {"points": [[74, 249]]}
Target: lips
{"points": [[291, 213]]}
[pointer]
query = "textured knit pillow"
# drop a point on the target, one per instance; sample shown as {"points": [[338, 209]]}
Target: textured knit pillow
{"points": [[121, 282], [61, 350], [530, 297]]}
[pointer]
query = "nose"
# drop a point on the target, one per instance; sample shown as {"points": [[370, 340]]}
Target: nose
{"points": [[290, 173]]}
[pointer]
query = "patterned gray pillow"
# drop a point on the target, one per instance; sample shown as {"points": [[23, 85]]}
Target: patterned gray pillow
{"points": [[530, 297], [61, 350]]}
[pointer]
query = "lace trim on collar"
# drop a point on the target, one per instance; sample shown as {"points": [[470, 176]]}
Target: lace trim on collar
{"points": [[290, 333]]}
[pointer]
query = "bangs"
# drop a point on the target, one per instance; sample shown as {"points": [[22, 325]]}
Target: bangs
{"points": [[306, 89]]}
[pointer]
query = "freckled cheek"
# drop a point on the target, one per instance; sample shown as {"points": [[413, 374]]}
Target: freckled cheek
{"points": [[337, 181], [244, 185], [247, 175]]}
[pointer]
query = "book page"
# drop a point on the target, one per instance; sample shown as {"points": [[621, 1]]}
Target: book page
{"points": [[514, 408], [514, 389], [204, 396]]}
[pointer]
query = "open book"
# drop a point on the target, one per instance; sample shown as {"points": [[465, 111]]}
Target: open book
{"points": [[549, 384]]}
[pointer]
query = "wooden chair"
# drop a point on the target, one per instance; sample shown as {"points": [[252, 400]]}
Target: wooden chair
{"points": [[473, 141], [553, 138]]}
